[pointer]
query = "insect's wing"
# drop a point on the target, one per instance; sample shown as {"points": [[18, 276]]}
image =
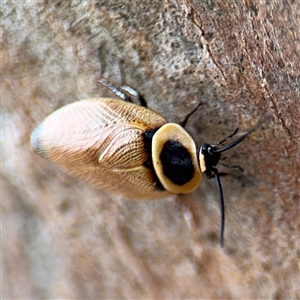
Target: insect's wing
{"points": [[100, 140]]}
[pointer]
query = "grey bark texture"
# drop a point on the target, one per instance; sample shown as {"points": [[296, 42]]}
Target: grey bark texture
{"points": [[63, 239]]}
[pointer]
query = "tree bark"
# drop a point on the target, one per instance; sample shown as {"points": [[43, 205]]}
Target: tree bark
{"points": [[64, 239]]}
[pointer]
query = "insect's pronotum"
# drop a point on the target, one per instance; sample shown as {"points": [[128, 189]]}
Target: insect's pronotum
{"points": [[126, 148]]}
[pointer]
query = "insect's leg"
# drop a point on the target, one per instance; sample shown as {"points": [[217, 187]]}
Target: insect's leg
{"points": [[141, 100], [229, 136], [107, 84], [237, 177], [115, 90], [119, 92], [183, 123], [232, 167], [123, 89], [135, 94]]}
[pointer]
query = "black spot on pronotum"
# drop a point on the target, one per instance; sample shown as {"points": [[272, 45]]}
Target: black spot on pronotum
{"points": [[177, 162]]}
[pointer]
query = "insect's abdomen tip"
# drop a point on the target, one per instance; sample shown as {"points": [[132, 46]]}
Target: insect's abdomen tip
{"points": [[35, 140]]}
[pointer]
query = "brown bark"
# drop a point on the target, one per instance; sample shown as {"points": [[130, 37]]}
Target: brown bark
{"points": [[64, 239]]}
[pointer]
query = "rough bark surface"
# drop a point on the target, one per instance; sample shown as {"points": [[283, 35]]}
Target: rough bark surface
{"points": [[63, 239]]}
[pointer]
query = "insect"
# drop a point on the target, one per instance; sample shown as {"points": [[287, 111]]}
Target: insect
{"points": [[127, 148]]}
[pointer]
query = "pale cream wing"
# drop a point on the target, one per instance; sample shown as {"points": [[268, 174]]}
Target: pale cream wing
{"points": [[135, 183], [101, 141]]}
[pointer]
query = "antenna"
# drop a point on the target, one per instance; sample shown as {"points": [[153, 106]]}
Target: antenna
{"points": [[237, 141], [222, 207]]}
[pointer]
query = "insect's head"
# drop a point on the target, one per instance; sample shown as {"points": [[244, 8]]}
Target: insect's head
{"points": [[209, 155], [208, 158]]}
